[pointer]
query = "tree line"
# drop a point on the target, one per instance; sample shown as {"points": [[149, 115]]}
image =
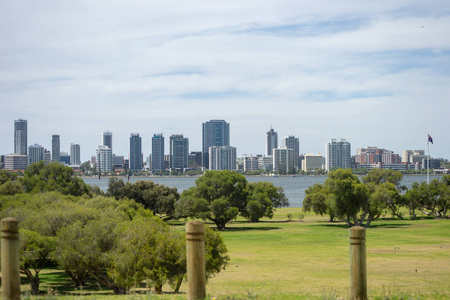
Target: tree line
{"points": [[345, 197]]}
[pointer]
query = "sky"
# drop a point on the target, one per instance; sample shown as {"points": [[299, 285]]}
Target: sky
{"points": [[376, 73]]}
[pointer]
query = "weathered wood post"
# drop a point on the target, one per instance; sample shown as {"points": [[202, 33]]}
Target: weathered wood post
{"points": [[10, 259], [358, 273], [195, 252]]}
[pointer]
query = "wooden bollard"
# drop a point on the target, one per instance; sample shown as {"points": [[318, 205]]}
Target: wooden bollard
{"points": [[10, 259], [358, 273], [195, 252]]}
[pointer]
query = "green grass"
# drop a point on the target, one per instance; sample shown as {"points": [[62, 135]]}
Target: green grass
{"points": [[309, 259]]}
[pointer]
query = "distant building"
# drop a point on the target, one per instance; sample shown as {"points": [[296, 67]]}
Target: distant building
{"points": [[375, 155], [222, 158], [214, 133], [20, 137], [136, 162], [266, 163], [75, 154], [338, 154], [56, 148], [16, 162], [118, 161], [47, 156], [250, 163], [158, 152], [313, 162], [195, 159], [434, 163], [407, 155], [35, 154], [64, 158], [271, 141], [283, 160], [179, 152], [293, 143], [107, 139], [104, 159]]}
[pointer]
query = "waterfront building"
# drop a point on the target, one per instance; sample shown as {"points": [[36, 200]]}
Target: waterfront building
{"points": [[118, 161], [338, 154], [313, 162], [293, 143], [222, 158], [374, 155], [266, 163], [407, 155], [135, 152], [64, 158], [107, 139], [35, 154], [56, 148], [20, 137], [250, 163], [179, 153], [214, 133], [158, 163], [104, 159], [283, 160], [47, 156], [271, 141], [16, 161], [195, 159], [75, 154]]}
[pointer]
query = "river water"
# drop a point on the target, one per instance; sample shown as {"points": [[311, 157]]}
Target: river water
{"points": [[294, 187]]}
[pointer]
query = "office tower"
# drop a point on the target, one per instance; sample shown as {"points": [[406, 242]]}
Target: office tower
{"points": [[312, 162], [250, 163], [214, 133], [271, 142], [16, 162], [118, 161], [47, 156], [283, 160], [135, 152], [338, 154], [35, 154], [179, 152], [292, 142], [55, 148], [20, 137], [75, 154], [104, 159], [222, 158], [158, 152], [107, 139]]}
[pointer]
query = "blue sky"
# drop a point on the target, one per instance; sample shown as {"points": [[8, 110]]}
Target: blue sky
{"points": [[375, 73]]}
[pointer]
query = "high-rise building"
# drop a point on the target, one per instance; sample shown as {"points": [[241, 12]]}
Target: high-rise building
{"points": [[250, 163], [283, 160], [107, 139], [338, 154], [271, 142], [214, 133], [104, 159], [179, 152], [47, 156], [64, 158], [375, 155], [222, 158], [158, 152], [35, 154], [312, 162], [16, 162], [292, 142], [135, 152], [56, 148], [20, 137], [75, 154]]}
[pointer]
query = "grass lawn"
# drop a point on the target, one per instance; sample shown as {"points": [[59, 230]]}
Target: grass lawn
{"points": [[309, 259]]}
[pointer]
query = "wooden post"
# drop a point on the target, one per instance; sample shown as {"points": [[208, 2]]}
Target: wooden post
{"points": [[195, 251], [10, 259], [358, 273]]}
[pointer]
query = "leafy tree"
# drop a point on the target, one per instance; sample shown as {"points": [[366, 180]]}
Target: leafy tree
{"points": [[39, 177], [378, 176], [320, 201]]}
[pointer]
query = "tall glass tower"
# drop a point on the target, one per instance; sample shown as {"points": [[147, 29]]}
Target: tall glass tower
{"points": [[107, 139], [271, 142], [56, 148], [179, 152], [135, 152], [215, 133], [158, 152], [338, 154], [20, 137]]}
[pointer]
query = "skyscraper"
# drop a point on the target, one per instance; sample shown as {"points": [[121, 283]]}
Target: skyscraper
{"points": [[55, 148], [271, 142], [179, 152], [292, 142], [35, 154], [338, 154], [75, 154], [20, 137], [158, 152], [214, 133], [135, 152], [107, 139], [222, 158], [104, 159], [283, 160]]}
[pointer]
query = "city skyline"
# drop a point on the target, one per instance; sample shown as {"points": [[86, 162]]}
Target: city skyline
{"points": [[375, 73]]}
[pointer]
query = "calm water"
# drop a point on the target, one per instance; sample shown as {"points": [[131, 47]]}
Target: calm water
{"points": [[294, 187]]}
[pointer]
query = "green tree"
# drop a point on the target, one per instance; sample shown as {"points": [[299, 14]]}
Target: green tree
{"points": [[264, 198]]}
